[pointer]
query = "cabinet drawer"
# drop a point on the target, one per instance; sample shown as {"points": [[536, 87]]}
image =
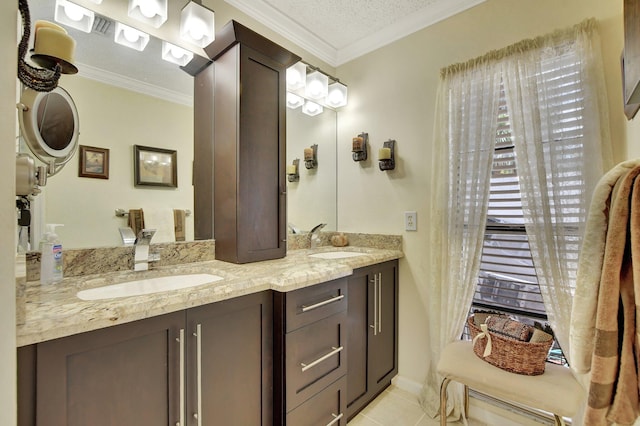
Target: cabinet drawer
{"points": [[315, 357], [314, 303], [325, 408]]}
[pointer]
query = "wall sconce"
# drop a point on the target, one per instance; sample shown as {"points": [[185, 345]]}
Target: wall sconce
{"points": [[74, 16], [337, 96], [317, 86], [53, 46], [386, 155], [311, 157], [292, 171], [294, 101], [312, 108], [197, 24], [359, 147], [130, 37], [174, 54], [151, 12], [296, 76]]}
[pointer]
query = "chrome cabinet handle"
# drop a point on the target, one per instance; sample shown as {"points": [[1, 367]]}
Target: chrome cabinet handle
{"points": [[375, 305], [180, 340], [380, 302], [334, 351], [198, 414], [335, 419], [324, 302]]}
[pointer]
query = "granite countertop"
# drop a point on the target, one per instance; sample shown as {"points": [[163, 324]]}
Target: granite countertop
{"points": [[53, 311]]}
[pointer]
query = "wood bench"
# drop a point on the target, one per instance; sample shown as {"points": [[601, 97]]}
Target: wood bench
{"points": [[556, 391]]}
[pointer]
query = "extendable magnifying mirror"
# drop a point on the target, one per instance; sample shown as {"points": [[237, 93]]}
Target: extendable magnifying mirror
{"points": [[49, 125]]}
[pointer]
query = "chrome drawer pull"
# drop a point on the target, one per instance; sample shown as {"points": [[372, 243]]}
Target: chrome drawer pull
{"points": [[180, 340], [198, 415], [335, 419], [335, 350], [324, 302]]}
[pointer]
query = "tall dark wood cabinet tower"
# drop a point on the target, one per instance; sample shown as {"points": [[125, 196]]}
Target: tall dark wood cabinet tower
{"points": [[240, 133]]}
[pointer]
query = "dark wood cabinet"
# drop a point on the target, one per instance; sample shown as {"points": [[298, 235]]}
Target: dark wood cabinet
{"points": [[240, 137], [209, 365], [310, 344], [372, 333]]}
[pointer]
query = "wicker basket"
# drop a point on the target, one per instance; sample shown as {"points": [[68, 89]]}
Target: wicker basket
{"points": [[511, 355]]}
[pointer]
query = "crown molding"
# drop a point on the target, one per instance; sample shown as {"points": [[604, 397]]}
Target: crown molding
{"points": [[294, 32], [134, 85]]}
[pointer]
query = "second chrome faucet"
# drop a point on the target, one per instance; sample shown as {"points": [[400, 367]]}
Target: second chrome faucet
{"points": [[141, 253]]}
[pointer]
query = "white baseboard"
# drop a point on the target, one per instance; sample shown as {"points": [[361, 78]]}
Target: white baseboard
{"points": [[407, 385]]}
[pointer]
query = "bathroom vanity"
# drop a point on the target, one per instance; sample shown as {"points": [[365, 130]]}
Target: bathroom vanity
{"points": [[277, 342]]}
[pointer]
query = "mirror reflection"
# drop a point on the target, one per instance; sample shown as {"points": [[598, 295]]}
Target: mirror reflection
{"points": [[126, 98]]}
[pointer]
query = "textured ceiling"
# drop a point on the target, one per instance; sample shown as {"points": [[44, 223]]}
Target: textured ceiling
{"points": [[338, 31]]}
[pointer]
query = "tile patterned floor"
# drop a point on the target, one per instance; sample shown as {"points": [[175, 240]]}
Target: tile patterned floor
{"points": [[396, 407]]}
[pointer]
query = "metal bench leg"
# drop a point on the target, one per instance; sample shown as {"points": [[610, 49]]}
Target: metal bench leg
{"points": [[558, 421]]}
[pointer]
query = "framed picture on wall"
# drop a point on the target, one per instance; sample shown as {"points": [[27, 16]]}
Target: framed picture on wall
{"points": [[155, 166], [94, 162]]}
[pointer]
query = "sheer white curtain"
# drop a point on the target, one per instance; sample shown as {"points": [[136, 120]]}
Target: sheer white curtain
{"points": [[467, 108], [555, 95]]}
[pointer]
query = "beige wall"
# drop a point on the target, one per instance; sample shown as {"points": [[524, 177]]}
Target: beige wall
{"points": [[117, 119], [392, 95], [8, 43]]}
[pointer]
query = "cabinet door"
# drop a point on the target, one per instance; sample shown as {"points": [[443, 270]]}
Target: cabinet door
{"points": [[383, 351], [230, 362], [357, 332], [123, 375]]}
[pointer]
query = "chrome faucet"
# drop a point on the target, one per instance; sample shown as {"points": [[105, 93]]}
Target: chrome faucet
{"points": [[315, 237], [141, 256]]}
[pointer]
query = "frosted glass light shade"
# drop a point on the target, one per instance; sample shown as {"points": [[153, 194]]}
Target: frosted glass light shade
{"points": [[317, 85], [312, 108], [130, 37], [294, 101], [197, 24], [337, 96], [151, 12], [296, 76], [74, 16], [175, 54], [96, 1]]}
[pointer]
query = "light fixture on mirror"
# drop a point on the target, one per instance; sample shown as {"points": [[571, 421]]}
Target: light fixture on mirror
{"points": [[294, 101], [74, 16], [317, 85], [312, 108], [151, 12], [197, 24], [296, 76], [337, 96], [130, 37], [175, 54]]}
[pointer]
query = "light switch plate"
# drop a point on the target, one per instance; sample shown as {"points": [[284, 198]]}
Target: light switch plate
{"points": [[410, 221]]}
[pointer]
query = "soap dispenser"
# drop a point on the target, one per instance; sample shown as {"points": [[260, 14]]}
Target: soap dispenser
{"points": [[51, 256]]}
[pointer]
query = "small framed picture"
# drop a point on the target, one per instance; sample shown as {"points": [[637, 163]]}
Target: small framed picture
{"points": [[94, 162], [155, 166]]}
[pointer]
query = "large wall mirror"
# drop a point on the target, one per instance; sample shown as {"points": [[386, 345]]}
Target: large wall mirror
{"points": [[125, 98]]}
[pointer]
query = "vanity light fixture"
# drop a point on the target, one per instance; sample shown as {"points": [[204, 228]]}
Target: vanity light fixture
{"points": [[294, 101], [130, 37], [337, 96], [151, 12], [297, 76], [311, 108], [74, 16], [197, 24], [96, 1], [175, 54], [317, 85]]}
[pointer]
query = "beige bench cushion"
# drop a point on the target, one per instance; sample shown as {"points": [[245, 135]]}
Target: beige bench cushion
{"points": [[556, 391]]}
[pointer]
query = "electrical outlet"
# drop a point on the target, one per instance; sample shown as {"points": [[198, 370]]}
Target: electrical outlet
{"points": [[410, 221]]}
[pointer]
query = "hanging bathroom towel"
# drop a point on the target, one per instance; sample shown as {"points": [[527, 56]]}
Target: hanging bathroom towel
{"points": [[160, 219], [603, 324], [179, 223]]}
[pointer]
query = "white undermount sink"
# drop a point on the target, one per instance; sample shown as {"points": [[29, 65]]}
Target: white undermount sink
{"points": [[147, 286], [336, 254]]}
